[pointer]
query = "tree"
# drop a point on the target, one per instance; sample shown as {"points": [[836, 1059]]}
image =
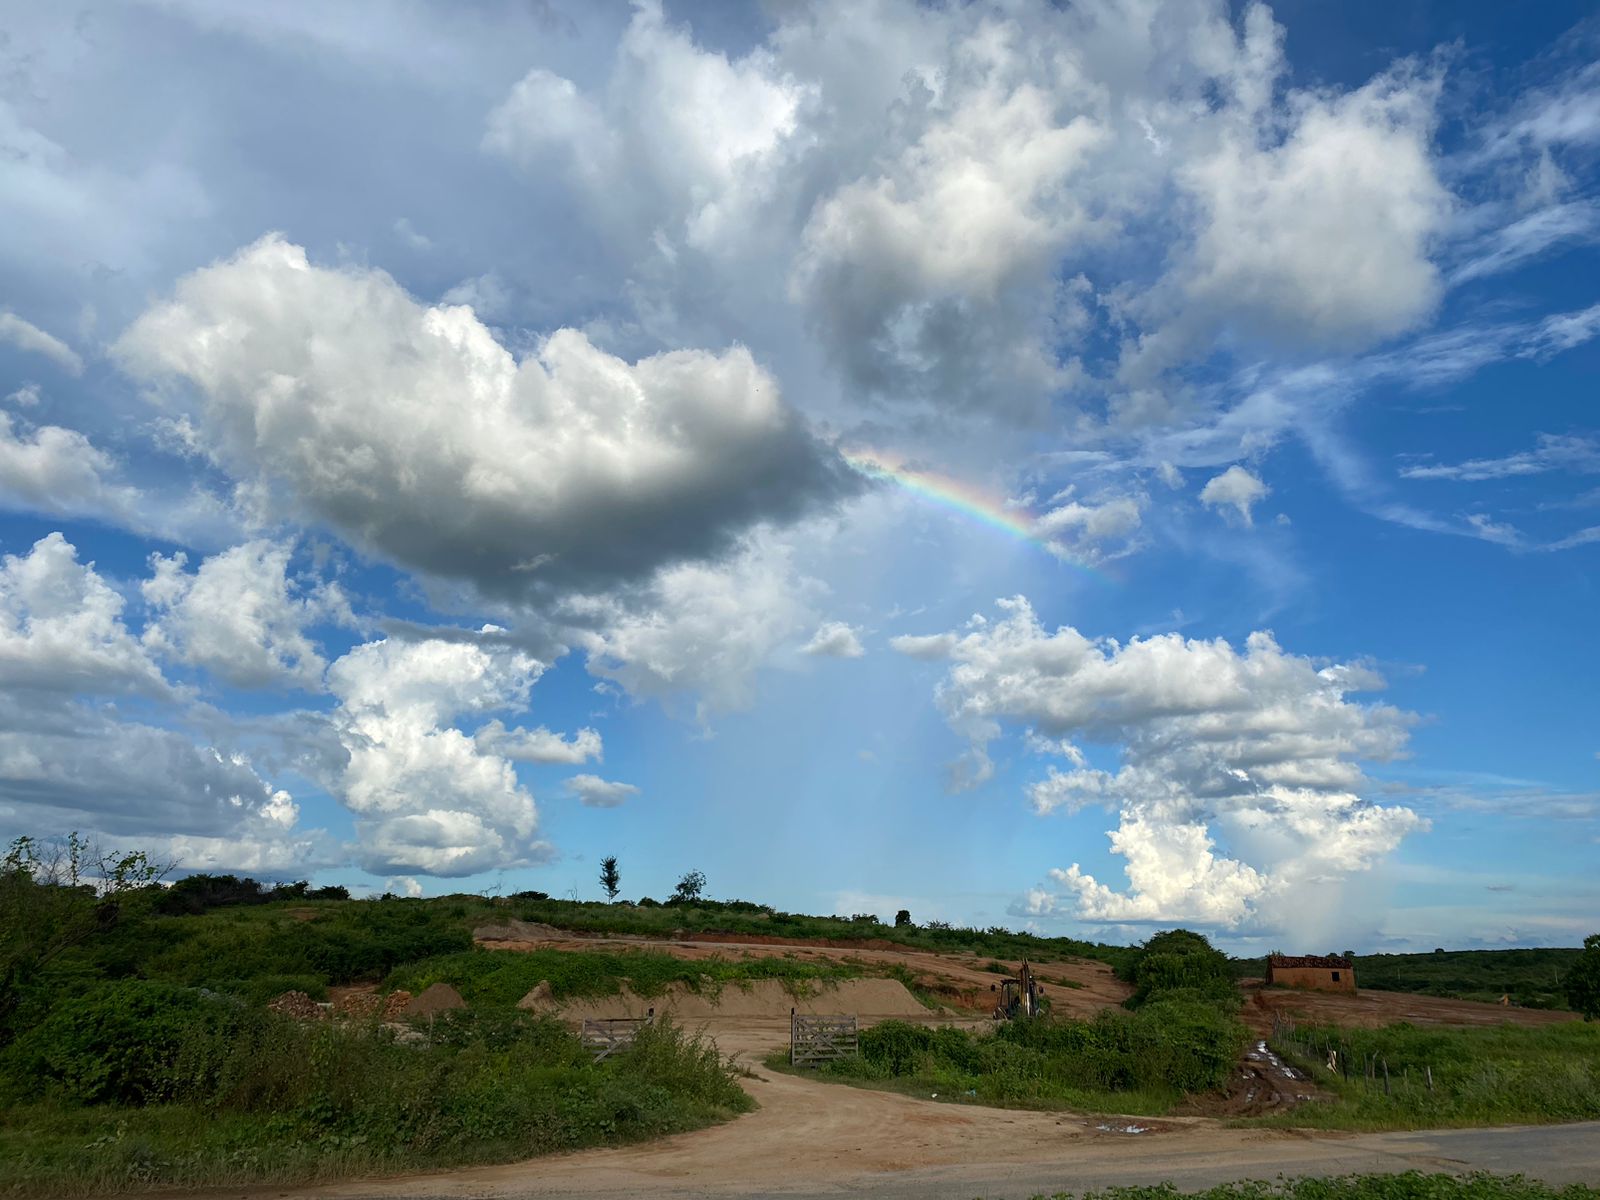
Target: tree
{"points": [[54, 896], [690, 888], [1583, 980], [902, 918], [610, 877]]}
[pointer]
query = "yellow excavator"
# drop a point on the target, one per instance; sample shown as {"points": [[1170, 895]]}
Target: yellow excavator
{"points": [[1020, 998]]}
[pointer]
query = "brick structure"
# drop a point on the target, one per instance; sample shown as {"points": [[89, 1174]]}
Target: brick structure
{"points": [[1323, 973]]}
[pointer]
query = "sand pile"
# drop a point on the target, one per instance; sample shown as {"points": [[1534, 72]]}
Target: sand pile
{"points": [[297, 1005], [441, 997], [763, 998], [513, 930]]}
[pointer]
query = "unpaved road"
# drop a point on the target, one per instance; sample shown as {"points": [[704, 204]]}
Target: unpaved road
{"points": [[811, 1139]]}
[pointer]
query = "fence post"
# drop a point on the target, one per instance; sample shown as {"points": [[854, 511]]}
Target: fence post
{"points": [[1386, 1077], [1429, 1070]]}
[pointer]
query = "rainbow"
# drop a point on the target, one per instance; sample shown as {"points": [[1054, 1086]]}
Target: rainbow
{"points": [[964, 498]]}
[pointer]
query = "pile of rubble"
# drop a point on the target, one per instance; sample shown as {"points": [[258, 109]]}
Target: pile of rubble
{"points": [[369, 1006], [297, 1005]]}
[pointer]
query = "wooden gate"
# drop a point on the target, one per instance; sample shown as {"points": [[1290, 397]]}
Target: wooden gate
{"points": [[821, 1039], [605, 1036]]}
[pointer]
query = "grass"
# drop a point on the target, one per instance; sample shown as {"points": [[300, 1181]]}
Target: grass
{"points": [[498, 978], [287, 1103], [1136, 1063], [1497, 1075], [1412, 1185]]}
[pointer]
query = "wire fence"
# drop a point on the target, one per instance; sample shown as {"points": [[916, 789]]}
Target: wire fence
{"points": [[1317, 1048]]}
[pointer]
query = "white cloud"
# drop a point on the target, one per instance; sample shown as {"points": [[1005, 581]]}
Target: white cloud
{"points": [[924, 646], [427, 798], [538, 745], [600, 793], [1235, 488], [1078, 530], [700, 629], [1356, 173], [1553, 452], [61, 628], [69, 760], [1258, 748], [834, 639], [26, 396], [240, 617], [53, 470], [418, 436], [710, 134], [26, 336]]}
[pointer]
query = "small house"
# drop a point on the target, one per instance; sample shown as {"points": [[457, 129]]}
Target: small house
{"points": [[1320, 972]]}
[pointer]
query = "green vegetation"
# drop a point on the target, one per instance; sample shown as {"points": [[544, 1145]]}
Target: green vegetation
{"points": [[496, 979], [1413, 1185], [136, 1051], [1531, 978], [146, 1085], [1182, 1037], [1583, 980], [1497, 1075]]}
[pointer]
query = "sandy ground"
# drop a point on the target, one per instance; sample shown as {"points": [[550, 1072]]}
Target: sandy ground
{"points": [[1077, 987], [1371, 1010]]}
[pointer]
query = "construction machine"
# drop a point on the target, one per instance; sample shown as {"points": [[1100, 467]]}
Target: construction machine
{"points": [[1019, 998]]}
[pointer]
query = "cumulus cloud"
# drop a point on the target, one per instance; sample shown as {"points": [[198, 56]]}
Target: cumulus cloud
{"points": [[700, 629], [1355, 172], [61, 628], [240, 616], [26, 336], [70, 760], [1079, 529], [58, 471], [600, 793], [834, 639], [1235, 488], [950, 248], [1258, 749], [418, 436], [427, 798], [538, 745]]}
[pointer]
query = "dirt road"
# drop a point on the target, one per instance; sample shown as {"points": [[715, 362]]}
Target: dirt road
{"points": [[812, 1139]]}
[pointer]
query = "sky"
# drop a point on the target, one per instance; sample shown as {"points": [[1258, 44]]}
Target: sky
{"points": [[1083, 467]]}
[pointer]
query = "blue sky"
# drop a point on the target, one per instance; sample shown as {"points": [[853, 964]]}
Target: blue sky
{"points": [[1082, 467]]}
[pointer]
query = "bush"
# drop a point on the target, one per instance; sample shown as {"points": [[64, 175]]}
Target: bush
{"points": [[119, 1044]]}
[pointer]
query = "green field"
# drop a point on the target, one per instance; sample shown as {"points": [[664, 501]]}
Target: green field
{"points": [[1438, 1077]]}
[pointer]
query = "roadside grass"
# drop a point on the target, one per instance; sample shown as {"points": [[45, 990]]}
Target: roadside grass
{"points": [[500, 978], [1412, 1185], [1497, 1075], [1139, 1063], [232, 1096]]}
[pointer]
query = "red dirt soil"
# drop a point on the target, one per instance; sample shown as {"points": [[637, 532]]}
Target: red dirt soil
{"points": [[1373, 1009], [1075, 987]]}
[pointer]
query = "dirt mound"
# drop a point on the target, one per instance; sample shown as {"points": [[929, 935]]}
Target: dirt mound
{"points": [[764, 998], [438, 998], [297, 1005], [365, 1005], [540, 999], [513, 930]]}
